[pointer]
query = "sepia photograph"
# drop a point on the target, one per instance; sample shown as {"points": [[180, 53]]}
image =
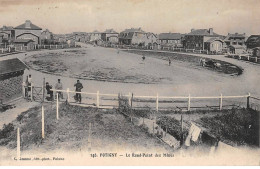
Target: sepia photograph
{"points": [[129, 83]]}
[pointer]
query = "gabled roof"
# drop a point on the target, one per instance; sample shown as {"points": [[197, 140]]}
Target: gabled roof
{"points": [[23, 40], [214, 39], [110, 31], [202, 32], [170, 36], [28, 25], [11, 65]]}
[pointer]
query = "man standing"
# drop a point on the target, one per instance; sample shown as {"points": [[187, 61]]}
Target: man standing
{"points": [[48, 88], [58, 86], [78, 86]]}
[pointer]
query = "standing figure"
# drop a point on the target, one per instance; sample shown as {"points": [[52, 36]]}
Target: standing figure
{"points": [[170, 62], [48, 89], [29, 85], [78, 86], [26, 84], [58, 86]]}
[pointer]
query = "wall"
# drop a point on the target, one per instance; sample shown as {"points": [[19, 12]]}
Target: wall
{"points": [[37, 33], [11, 88]]}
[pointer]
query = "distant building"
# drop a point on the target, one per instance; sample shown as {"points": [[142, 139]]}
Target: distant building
{"points": [[81, 36], [136, 36], [197, 38], [59, 38], [46, 34], [1, 39], [11, 79], [8, 33], [253, 41], [24, 43], [235, 39], [237, 49], [28, 31], [110, 36], [171, 39], [214, 44], [94, 36]]}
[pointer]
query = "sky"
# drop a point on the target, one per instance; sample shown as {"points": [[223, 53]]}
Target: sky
{"points": [[158, 16]]}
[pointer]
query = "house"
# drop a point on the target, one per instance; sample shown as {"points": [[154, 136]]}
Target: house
{"points": [[28, 44], [253, 41], [94, 36], [8, 33], [235, 39], [28, 31], [256, 52], [151, 41], [171, 39], [81, 36], [1, 40], [47, 37], [59, 38], [137, 37], [237, 49], [110, 36], [214, 44], [11, 79], [197, 37]]}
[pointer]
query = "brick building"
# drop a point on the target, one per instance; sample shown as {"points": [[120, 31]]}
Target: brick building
{"points": [[28, 31], [11, 79], [171, 39], [110, 36], [197, 37]]}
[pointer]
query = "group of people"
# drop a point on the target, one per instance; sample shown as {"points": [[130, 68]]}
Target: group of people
{"points": [[58, 86]]}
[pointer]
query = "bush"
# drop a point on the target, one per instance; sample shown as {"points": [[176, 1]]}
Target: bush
{"points": [[6, 131]]}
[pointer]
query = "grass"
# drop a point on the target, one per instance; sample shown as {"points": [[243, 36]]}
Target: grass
{"points": [[226, 67], [110, 129]]}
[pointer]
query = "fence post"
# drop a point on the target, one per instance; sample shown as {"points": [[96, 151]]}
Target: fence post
{"points": [[89, 138], [157, 102], [2, 50], [43, 90], [221, 101], [97, 99], [42, 122], [43, 46], [129, 98], [68, 95], [31, 91], [189, 103], [57, 110], [255, 59], [153, 128], [248, 102], [248, 57], [56, 46], [18, 144]]}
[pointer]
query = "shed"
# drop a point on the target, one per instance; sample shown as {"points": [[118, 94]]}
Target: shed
{"points": [[21, 43], [237, 49], [11, 79]]}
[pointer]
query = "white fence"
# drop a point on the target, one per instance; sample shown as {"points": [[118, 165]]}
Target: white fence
{"points": [[155, 102]]}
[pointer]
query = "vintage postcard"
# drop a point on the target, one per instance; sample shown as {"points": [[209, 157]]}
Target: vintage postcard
{"points": [[129, 82]]}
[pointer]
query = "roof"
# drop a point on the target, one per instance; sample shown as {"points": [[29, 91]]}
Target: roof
{"points": [[253, 38], [110, 31], [23, 40], [170, 36], [11, 65], [6, 28], [214, 39], [79, 33], [28, 25], [133, 30], [202, 32]]}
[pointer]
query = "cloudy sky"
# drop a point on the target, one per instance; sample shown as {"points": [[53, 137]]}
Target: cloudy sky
{"points": [[65, 16]]}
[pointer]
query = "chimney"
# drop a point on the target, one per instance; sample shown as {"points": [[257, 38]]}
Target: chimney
{"points": [[210, 31], [27, 24]]}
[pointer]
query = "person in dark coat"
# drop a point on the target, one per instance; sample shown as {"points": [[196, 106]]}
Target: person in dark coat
{"points": [[78, 86], [48, 89]]}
